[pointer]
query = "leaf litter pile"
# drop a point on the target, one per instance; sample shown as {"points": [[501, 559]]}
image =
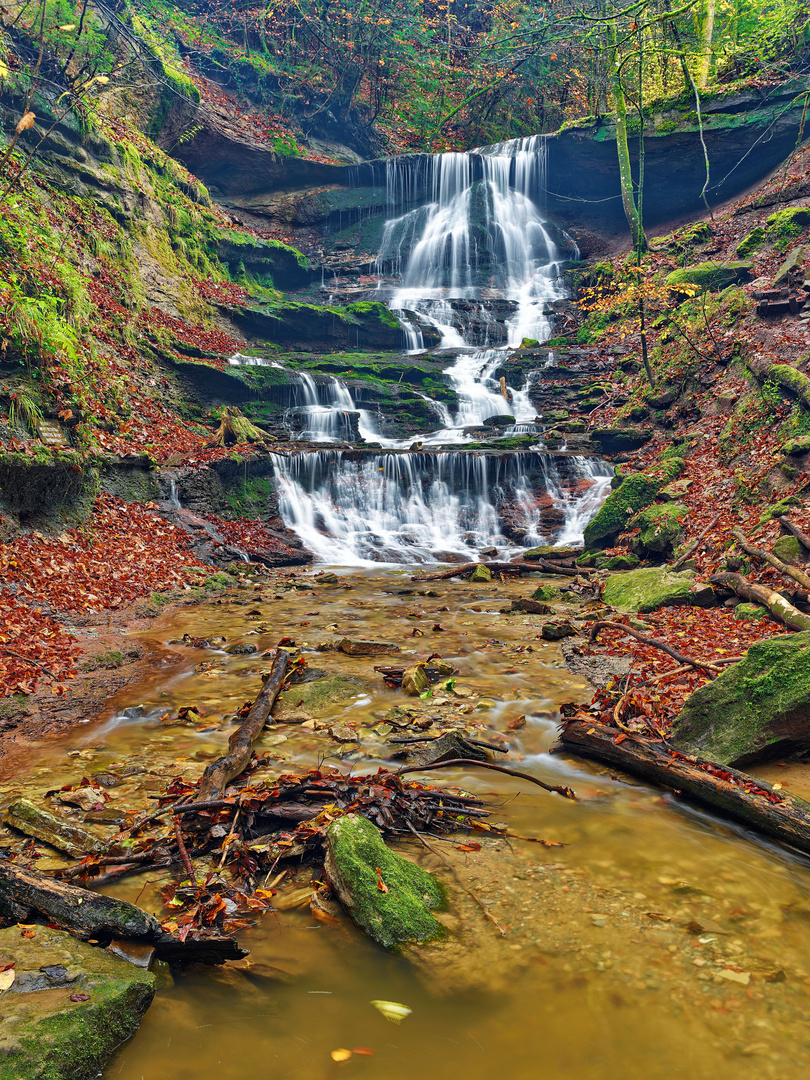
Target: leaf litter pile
{"points": [[248, 840]]}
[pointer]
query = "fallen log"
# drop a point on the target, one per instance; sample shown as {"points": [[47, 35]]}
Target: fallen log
{"points": [[654, 642], [240, 745], [793, 572], [566, 792], [794, 530], [781, 609], [737, 794], [522, 567], [26, 895]]}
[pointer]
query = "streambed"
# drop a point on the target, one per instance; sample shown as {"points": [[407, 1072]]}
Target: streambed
{"points": [[659, 942]]}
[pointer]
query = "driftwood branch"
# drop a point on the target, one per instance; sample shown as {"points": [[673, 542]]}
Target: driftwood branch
{"points": [[794, 530], [695, 544], [522, 567], [656, 644], [784, 568], [240, 745], [781, 609], [566, 792], [734, 793]]}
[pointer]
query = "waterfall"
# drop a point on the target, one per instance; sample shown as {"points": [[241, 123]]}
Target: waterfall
{"points": [[327, 412], [354, 509], [465, 251]]}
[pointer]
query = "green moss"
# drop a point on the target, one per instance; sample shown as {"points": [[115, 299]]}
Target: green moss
{"points": [[788, 549], [358, 858], [661, 528], [750, 612], [373, 307], [636, 492], [710, 276], [756, 709], [752, 242], [318, 695], [648, 589], [786, 224], [547, 594]]}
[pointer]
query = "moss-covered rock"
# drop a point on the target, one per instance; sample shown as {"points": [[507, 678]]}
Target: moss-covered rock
{"points": [[661, 529], [619, 440], [750, 612], [357, 859], [648, 589], [480, 574], [799, 445], [751, 242], [619, 562], [47, 1036], [549, 551], [758, 709], [792, 264], [547, 594], [788, 549], [634, 494], [710, 276]]}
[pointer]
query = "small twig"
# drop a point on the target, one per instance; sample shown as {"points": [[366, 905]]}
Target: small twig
{"points": [[183, 852], [566, 792], [695, 544], [33, 663], [433, 738], [455, 874], [228, 838]]}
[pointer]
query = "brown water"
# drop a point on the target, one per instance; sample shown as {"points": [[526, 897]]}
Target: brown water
{"points": [[660, 942]]}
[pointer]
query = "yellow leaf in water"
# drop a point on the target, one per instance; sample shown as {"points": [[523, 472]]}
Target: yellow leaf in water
{"points": [[6, 979], [340, 1055], [392, 1010]]}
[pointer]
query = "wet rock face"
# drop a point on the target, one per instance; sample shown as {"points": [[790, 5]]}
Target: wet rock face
{"points": [[69, 1008]]}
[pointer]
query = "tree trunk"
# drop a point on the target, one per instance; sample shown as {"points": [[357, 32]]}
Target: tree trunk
{"points": [[782, 609], [734, 793], [240, 745], [623, 150], [706, 37]]}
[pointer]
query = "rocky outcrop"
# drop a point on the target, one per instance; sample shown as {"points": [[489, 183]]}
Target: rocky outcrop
{"points": [[648, 589]]}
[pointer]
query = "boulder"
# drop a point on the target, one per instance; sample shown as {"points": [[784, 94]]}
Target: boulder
{"points": [[480, 574], [549, 551], [757, 710], [616, 440], [69, 1008], [547, 594], [634, 493], [792, 264], [750, 612], [789, 550], [710, 276], [387, 896], [648, 589], [660, 529], [556, 631], [501, 420], [447, 747], [799, 445]]}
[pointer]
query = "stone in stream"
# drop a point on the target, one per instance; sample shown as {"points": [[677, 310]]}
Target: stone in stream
{"points": [[531, 607], [556, 631], [69, 1008], [755, 711], [366, 648], [447, 747], [480, 574], [386, 895], [32, 820]]}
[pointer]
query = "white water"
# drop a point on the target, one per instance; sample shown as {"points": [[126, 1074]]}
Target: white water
{"points": [[478, 265], [355, 509]]}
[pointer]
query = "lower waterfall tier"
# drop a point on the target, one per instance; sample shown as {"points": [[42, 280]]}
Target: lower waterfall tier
{"points": [[357, 508]]}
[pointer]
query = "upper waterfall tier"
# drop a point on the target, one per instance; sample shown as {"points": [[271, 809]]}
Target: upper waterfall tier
{"points": [[481, 235]]}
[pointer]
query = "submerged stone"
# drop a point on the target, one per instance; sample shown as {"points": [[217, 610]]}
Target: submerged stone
{"points": [[648, 589], [69, 1008], [390, 898], [32, 820], [757, 710]]}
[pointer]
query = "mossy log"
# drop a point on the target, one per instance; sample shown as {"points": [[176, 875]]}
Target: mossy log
{"points": [[778, 606], [789, 378], [742, 797], [758, 553], [240, 745]]}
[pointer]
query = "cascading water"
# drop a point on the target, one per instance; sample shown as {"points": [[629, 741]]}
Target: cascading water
{"points": [[325, 412], [353, 508], [477, 265]]}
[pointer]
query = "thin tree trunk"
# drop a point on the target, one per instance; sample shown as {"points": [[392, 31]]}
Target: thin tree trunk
{"points": [[622, 149], [706, 37]]}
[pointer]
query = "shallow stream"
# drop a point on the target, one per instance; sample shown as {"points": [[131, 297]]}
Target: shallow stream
{"points": [[660, 942]]}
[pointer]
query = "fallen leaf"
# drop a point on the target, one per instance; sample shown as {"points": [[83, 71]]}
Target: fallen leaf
{"points": [[340, 1055], [7, 978], [392, 1010]]}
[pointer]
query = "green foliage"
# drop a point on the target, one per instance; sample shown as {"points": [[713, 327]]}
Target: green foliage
{"points": [[785, 225]]}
